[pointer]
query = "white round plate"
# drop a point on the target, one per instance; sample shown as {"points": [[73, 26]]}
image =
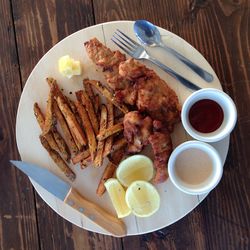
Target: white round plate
{"points": [[174, 203]]}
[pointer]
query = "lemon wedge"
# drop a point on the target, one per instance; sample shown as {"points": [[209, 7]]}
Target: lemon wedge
{"points": [[142, 198], [117, 196], [69, 67], [136, 167]]}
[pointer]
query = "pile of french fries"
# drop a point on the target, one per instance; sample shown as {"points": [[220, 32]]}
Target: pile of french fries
{"points": [[90, 131]]}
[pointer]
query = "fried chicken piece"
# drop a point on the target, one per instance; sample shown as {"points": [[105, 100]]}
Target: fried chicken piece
{"points": [[127, 95], [101, 55], [132, 69], [153, 94], [162, 147], [114, 80], [158, 100], [135, 84], [109, 61], [159, 126], [137, 130]]}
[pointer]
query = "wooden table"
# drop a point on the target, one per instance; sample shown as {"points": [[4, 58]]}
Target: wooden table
{"points": [[218, 29]]}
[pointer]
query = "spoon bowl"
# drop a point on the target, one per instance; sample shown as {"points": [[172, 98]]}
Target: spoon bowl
{"points": [[147, 33]]}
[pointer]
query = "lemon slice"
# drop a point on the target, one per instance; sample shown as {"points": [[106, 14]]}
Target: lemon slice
{"points": [[117, 196], [136, 167], [142, 198]]}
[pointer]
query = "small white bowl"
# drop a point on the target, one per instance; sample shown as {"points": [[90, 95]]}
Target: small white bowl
{"points": [[195, 167], [227, 105]]}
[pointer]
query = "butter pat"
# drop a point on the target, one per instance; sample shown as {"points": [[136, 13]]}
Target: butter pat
{"points": [[69, 67]]}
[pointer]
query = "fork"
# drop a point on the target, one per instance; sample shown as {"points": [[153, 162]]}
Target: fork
{"points": [[138, 52]]}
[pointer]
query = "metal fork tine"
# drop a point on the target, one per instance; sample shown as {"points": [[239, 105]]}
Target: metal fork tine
{"points": [[126, 41], [134, 42], [121, 47], [124, 44]]}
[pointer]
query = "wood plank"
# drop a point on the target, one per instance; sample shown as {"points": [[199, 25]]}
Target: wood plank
{"points": [[39, 25], [220, 31], [199, 230], [175, 236], [17, 208]]}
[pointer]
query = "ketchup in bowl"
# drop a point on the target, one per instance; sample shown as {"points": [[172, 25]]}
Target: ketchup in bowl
{"points": [[206, 116]]}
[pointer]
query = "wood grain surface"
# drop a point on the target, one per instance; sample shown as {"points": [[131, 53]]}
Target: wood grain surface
{"points": [[219, 29], [18, 226]]}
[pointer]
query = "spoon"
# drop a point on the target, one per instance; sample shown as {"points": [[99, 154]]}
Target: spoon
{"points": [[149, 35]]}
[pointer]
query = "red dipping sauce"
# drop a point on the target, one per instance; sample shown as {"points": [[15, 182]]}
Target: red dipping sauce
{"points": [[206, 116]]}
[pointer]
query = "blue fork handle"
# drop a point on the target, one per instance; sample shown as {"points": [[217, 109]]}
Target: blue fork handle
{"points": [[180, 78], [197, 69]]}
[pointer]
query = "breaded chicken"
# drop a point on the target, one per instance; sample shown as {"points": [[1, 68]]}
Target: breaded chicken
{"points": [[158, 100], [162, 147], [137, 129], [101, 55], [109, 61], [135, 84]]}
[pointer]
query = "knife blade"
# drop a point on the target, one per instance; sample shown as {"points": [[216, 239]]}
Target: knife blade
{"points": [[72, 197]]}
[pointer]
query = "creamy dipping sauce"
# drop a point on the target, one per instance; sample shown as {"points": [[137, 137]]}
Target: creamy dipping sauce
{"points": [[193, 166]]}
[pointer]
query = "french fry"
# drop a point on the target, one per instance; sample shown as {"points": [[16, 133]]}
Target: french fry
{"points": [[105, 92], [90, 109], [72, 105], [40, 119], [101, 144], [85, 163], [63, 148], [92, 96], [118, 144], [74, 110], [53, 137], [109, 171], [80, 156], [110, 131], [89, 90], [109, 141], [58, 159], [49, 116], [117, 156], [54, 87], [71, 121], [65, 129], [87, 125], [79, 146], [57, 92], [119, 118], [97, 104]]}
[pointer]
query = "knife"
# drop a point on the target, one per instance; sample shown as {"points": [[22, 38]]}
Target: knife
{"points": [[70, 196]]}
